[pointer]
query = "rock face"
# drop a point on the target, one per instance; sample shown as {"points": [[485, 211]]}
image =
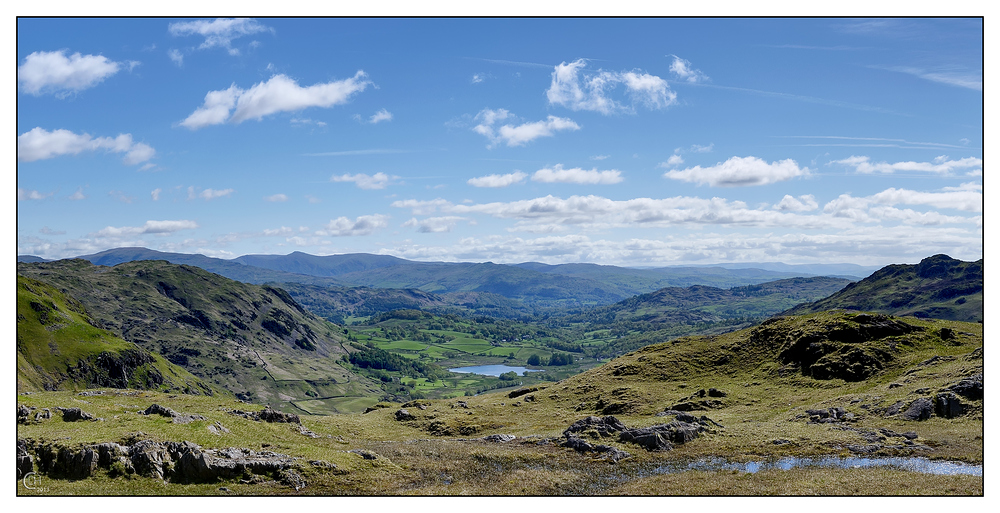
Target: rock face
{"points": [[948, 405], [75, 414], [660, 437], [183, 462], [969, 388], [404, 414], [919, 409], [267, 415]]}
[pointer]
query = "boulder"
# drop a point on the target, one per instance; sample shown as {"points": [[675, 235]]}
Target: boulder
{"points": [[156, 409], [75, 414], [269, 415], [969, 388], [603, 426], [499, 438], [25, 463], [647, 438], [919, 409], [404, 414], [947, 405]]}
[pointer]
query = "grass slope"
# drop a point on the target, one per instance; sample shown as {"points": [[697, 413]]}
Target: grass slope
{"points": [[768, 387], [59, 348], [255, 341], [938, 287]]}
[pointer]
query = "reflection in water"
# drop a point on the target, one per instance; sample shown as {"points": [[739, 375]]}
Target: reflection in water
{"points": [[492, 370], [922, 465]]}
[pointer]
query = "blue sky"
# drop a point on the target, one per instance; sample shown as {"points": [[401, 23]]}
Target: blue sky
{"points": [[638, 142]]}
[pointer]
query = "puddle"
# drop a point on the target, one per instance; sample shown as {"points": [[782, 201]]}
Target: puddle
{"points": [[921, 465]]}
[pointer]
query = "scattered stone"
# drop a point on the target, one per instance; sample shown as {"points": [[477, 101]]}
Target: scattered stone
{"points": [[894, 409], [223, 489], [368, 455], [781, 441], [894, 385], [43, 414], [499, 438], [156, 409], [292, 478], [402, 414], [460, 404], [716, 393], [919, 409], [91, 393], [306, 432], [602, 426], [217, 428], [75, 414], [186, 419]]}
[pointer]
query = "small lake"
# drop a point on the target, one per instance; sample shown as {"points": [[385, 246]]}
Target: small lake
{"points": [[921, 465], [492, 370]]}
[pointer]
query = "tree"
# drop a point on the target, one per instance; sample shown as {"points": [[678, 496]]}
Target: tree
{"points": [[534, 360]]}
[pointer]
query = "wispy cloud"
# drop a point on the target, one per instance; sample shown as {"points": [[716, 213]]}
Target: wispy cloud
{"points": [[208, 194], [219, 32], [520, 134], [276, 198], [576, 175], [941, 165], [25, 194], [279, 94], [40, 144], [364, 181], [681, 68], [151, 227], [497, 180], [740, 172], [954, 77], [381, 115], [576, 89], [874, 142], [55, 73]]}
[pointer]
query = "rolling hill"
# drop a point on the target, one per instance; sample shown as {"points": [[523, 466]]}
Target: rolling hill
{"points": [[59, 348], [939, 287], [255, 341]]}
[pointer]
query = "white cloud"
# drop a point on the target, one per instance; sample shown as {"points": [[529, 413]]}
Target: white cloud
{"points": [[276, 198], [208, 194], [362, 225], [697, 148], [434, 224], [498, 180], [673, 161], [382, 115], [958, 78], [477, 78], [78, 195], [307, 121], [279, 94], [53, 72], [40, 144], [847, 206], [151, 227], [804, 203], [574, 89], [363, 181], [941, 165], [683, 70], [520, 134], [219, 32], [24, 194], [740, 172], [176, 56], [599, 157], [556, 174], [155, 194]]}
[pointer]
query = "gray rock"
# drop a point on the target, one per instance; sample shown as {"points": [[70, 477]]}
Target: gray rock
{"points": [[948, 405], [43, 414], [269, 415], [499, 438], [894, 409], [217, 428], [156, 409], [404, 414], [25, 463], [75, 414], [970, 387], [919, 409], [604, 426]]}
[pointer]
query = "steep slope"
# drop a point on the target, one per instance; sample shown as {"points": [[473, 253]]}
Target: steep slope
{"points": [[255, 341], [939, 287], [58, 348]]}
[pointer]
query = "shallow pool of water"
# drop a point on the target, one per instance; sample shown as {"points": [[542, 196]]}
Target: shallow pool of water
{"points": [[492, 370], [922, 465]]}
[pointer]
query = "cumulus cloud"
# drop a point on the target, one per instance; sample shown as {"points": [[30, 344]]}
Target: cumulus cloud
{"points": [[434, 224], [941, 165], [804, 203], [517, 135], [576, 89], [176, 56], [155, 194], [498, 180], [681, 68], [151, 227], [207, 194], [363, 181], [381, 115], [556, 174], [40, 144], [54, 72], [740, 172], [219, 32], [673, 161], [279, 94], [276, 198], [362, 225]]}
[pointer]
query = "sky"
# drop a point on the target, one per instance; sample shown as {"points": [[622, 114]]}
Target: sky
{"points": [[631, 142]]}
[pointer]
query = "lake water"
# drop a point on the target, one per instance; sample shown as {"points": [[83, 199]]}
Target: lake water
{"points": [[921, 465], [492, 370]]}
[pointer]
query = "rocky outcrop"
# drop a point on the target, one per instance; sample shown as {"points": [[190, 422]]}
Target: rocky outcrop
{"points": [[267, 415], [948, 405], [403, 414], [969, 388], [660, 437], [182, 462], [75, 414], [919, 409]]}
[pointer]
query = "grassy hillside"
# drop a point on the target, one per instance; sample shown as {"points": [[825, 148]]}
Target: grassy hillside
{"points": [[255, 341], [939, 287], [830, 384], [58, 348]]}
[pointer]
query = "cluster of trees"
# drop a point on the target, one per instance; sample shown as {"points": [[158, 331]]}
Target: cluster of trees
{"points": [[557, 359], [370, 357]]}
